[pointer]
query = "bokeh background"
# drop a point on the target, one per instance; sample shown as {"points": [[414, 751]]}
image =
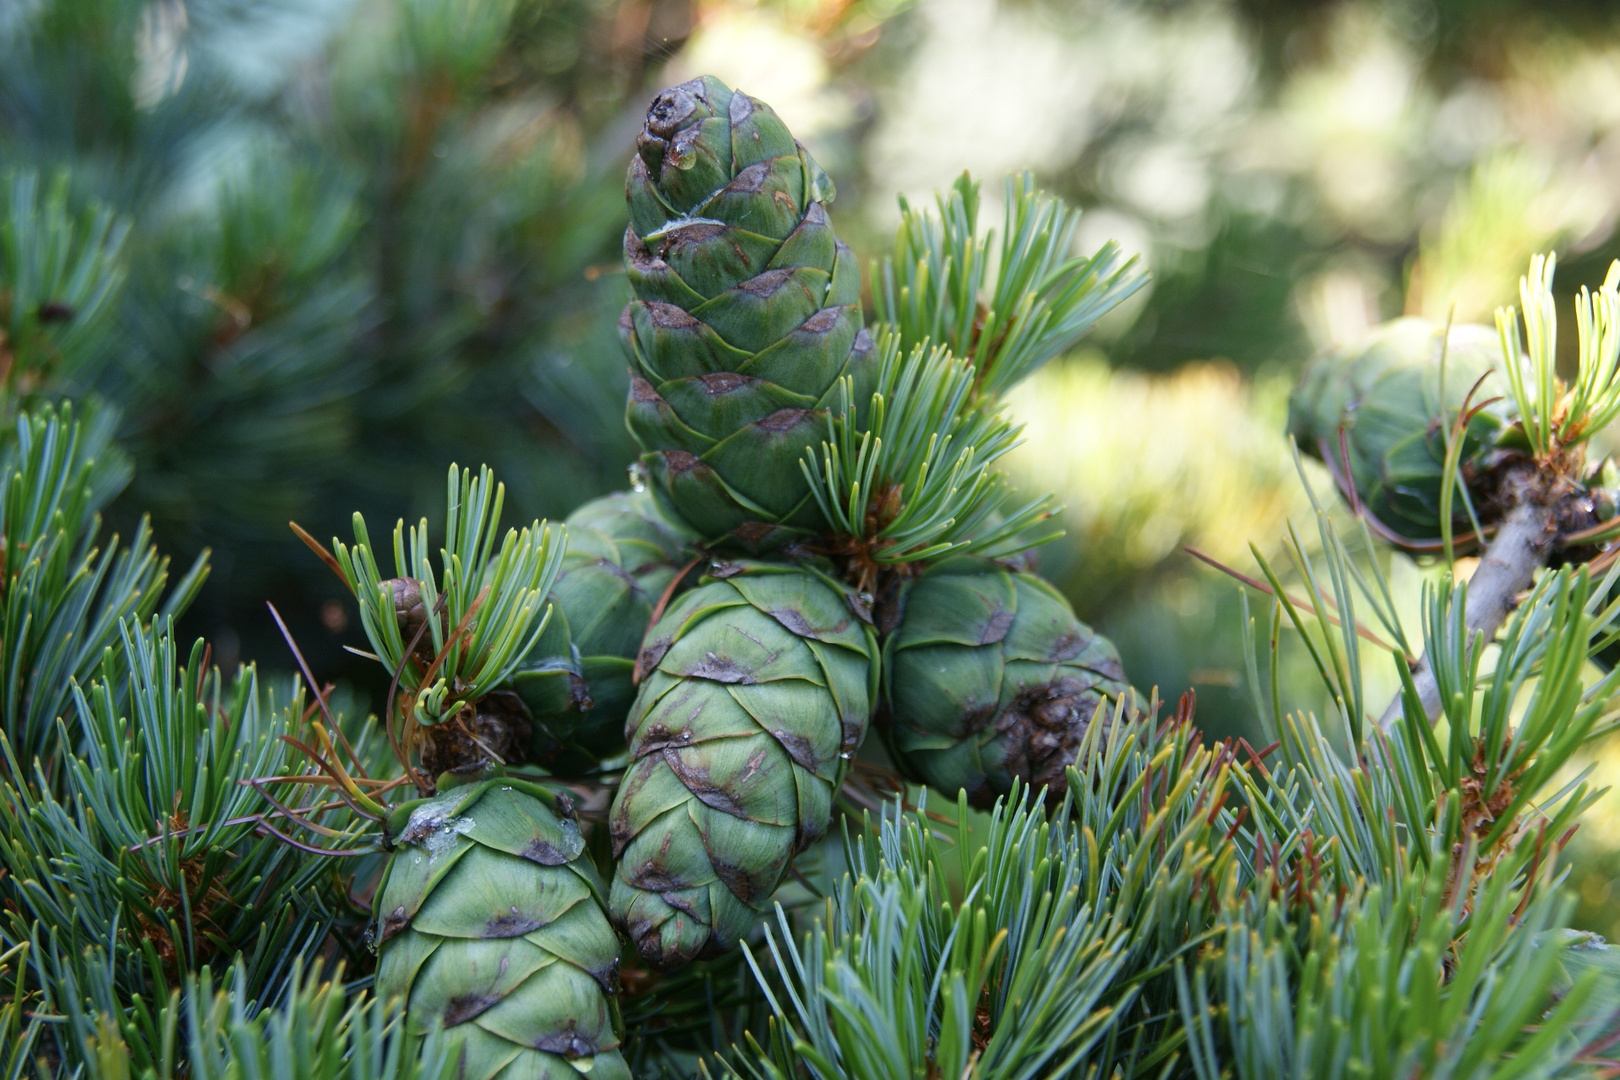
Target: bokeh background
{"points": [[371, 237]]}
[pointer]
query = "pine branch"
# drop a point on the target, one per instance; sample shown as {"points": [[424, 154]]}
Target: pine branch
{"points": [[21, 1027], [145, 858], [1005, 307], [1410, 799], [62, 597], [1555, 421], [1036, 948], [1411, 980], [907, 477], [475, 619], [897, 984], [1506, 568], [320, 1031], [60, 272], [1368, 872]]}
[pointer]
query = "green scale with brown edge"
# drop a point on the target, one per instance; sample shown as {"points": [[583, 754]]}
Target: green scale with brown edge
{"points": [[1385, 405], [746, 314], [489, 921], [758, 686], [623, 552], [990, 678]]}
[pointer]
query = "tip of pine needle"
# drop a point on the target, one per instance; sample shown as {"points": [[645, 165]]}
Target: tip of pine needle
{"points": [[320, 552]]}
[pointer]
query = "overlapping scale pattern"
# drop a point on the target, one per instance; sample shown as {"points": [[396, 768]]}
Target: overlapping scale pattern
{"points": [[758, 688], [622, 553], [988, 678], [1387, 395], [746, 314], [490, 922]]}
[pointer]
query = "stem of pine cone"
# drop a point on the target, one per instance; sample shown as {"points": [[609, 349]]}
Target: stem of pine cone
{"points": [[1520, 547]]}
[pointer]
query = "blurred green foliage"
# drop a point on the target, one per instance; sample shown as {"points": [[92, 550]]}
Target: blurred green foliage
{"points": [[358, 243]]}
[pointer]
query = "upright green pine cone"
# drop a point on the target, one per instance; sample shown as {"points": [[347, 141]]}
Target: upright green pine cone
{"points": [[1385, 393], [757, 690], [989, 678], [622, 553], [747, 313], [490, 920]]}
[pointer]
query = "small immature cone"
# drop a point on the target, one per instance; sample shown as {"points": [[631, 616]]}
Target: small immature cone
{"points": [[576, 681], [989, 678], [746, 314], [1385, 392], [757, 690], [490, 922]]}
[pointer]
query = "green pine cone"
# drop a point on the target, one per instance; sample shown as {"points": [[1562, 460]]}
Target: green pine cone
{"points": [[490, 920], [747, 313], [622, 553], [989, 678], [758, 688], [1384, 391]]}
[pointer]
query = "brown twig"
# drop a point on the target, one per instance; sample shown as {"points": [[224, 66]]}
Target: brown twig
{"points": [[335, 853], [245, 819], [424, 786], [303, 666], [1506, 569], [291, 814]]}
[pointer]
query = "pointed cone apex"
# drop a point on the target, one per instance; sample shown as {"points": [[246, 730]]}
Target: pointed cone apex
{"points": [[736, 271]]}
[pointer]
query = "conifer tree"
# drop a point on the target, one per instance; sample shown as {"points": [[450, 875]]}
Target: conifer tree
{"points": [[339, 270], [566, 842]]}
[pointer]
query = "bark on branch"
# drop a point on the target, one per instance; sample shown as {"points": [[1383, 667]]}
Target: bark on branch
{"points": [[1520, 547]]}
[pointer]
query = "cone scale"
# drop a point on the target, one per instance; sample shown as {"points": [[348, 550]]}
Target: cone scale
{"points": [[757, 689], [746, 314], [989, 678], [576, 682], [490, 922], [1394, 405]]}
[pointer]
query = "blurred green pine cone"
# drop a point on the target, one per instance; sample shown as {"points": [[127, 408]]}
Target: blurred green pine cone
{"points": [[746, 314], [989, 678], [622, 553], [1385, 392], [757, 691], [490, 920]]}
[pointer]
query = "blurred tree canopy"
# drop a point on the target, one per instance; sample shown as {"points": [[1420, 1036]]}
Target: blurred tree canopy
{"points": [[362, 244]]}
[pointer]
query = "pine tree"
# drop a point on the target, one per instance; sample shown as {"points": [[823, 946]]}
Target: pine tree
{"points": [[335, 275], [204, 873]]}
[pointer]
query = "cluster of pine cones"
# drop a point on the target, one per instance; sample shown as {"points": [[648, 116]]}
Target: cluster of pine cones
{"points": [[710, 624]]}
